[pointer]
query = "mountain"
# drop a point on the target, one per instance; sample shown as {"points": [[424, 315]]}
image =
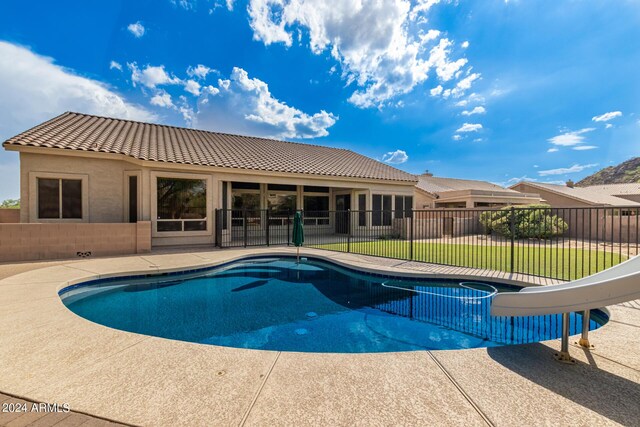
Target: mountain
{"points": [[623, 173]]}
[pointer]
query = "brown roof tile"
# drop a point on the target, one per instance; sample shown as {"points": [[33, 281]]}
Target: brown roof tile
{"points": [[170, 144]]}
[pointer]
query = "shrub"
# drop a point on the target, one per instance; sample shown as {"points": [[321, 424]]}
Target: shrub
{"points": [[532, 221]]}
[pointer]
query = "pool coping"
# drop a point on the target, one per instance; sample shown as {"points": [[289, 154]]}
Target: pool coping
{"points": [[48, 302]]}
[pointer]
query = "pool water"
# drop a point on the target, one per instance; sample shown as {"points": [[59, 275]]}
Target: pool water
{"points": [[313, 306]]}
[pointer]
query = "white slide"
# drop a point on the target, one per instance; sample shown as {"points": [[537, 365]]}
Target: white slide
{"points": [[617, 284]]}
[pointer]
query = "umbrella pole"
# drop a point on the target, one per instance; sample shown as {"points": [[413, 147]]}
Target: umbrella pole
{"points": [[298, 255]]}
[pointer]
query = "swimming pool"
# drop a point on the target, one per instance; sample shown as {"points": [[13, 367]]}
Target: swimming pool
{"points": [[314, 306]]}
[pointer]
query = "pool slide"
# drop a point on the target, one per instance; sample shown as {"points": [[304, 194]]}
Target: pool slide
{"points": [[617, 284]]}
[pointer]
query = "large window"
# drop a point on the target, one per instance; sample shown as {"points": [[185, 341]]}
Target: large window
{"points": [[404, 206], [59, 198], [281, 204], [381, 214], [316, 210], [182, 204]]}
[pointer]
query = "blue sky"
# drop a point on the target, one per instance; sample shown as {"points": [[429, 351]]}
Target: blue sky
{"points": [[488, 89]]}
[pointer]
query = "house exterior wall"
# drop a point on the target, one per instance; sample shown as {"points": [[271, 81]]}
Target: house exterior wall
{"points": [[551, 198], [105, 192], [105, 181], [422, 200]]}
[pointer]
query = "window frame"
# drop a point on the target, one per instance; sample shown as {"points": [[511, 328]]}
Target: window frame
{"points": [[34, 199], [154, 204]]}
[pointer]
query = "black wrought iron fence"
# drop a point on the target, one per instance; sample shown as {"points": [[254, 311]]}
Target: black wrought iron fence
{"points": [[557, 243]]}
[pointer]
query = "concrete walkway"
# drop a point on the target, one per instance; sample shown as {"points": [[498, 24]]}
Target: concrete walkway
{"points": [[48, 354]]}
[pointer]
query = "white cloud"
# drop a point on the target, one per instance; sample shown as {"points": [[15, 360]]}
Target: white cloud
{"points": [[230, 5], [199, 71], [151, 76], [608, 126], [376, 43], [436, 91], [553, 150], [185, 4], [193, 87], [245, 105], [469, 127], [584, 147], [569, 139], [137, 29], [465, 44], [607, 116], [476, 110], [562, 171], [162, 99], [35, 89], [395, 157], [116, 65]]}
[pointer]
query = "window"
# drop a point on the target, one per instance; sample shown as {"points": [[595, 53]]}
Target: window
{"points": [[225, 200], [182, 204], [59, 198], [245, 186], [314, 189], [281, 204], [282, 187], [133, 198], [404, 206], [381, 214], [362, 208], [316, 210]]}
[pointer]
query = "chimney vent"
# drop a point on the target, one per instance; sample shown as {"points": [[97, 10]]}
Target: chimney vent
{"points": [[570, 183]]}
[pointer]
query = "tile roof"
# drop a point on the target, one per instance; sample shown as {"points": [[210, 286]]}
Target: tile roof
{"points": [[616, 189], [145, 141], [585, 194], [436, 185]]}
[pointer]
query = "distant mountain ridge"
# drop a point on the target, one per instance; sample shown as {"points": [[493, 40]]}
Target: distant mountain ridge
{"points": [[624, 173]]}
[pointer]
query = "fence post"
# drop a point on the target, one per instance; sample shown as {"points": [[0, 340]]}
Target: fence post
{"points": [[512, 226], [348, 230], [411, 218], [266, 216], [288, 225], [244, 226]]}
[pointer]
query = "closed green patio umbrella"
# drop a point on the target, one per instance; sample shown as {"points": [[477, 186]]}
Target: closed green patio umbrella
{"points": [[298, 232]]}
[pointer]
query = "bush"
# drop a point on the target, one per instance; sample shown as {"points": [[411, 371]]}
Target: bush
{"points": [[10, 203], [532, 221]]}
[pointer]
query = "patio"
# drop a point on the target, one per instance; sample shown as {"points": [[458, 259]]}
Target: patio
{"points": [[51, 355]]}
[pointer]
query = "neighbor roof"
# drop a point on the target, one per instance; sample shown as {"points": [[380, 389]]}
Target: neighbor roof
{"points": [[585, 194], [436, 185], [146, 141], [616, 189]]}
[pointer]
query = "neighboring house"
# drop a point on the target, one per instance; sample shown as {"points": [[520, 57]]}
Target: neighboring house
{"points": [[436, 192], [564, 196], [84, 168], [629, 191]]}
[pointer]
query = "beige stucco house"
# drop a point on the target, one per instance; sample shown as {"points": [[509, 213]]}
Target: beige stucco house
{"points": [[565, 196], [79, 168], [436, 192]]}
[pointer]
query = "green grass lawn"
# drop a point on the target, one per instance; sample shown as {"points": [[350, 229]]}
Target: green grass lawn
{"points": [[558, 263]]}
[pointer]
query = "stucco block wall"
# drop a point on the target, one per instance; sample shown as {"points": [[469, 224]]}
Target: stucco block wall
{"points": [[553, 199], [28, 242], [105, 181], [9, 216]]}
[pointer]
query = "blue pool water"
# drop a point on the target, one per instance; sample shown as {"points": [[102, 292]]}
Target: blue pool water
{"points": [[314, 306]]}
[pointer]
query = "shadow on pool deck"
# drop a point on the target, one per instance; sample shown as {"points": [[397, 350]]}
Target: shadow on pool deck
{"points": [[583, 383]]}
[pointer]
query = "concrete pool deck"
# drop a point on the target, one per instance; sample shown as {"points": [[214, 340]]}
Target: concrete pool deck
{"points": [[48, 354]]}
